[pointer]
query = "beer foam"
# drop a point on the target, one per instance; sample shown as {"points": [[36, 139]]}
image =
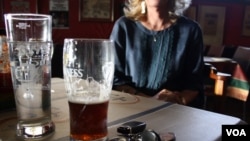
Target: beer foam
{"points": [[87, 91], [87, 99]]}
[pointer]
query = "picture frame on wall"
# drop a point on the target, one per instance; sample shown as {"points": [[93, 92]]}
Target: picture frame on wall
{"points": [[2, 17], [20, 6], [1, 11], [211, 19], [96, 10], [59, 10], [246, 22]]}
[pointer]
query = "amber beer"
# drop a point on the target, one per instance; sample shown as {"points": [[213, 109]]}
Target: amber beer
{"points": [[88, 121], [88, 68]]}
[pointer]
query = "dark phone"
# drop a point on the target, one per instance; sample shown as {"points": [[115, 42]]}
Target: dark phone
{"points": [[133, 127]]}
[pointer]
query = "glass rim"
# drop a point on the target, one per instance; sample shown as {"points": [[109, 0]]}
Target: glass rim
{"points": [[32, 41], [27, 16], [88, 39]]}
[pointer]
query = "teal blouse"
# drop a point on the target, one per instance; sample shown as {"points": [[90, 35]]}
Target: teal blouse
{"points": [[153, 60]]}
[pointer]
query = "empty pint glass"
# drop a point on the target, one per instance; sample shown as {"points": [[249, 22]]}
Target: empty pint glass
{"points": [[30, 49], [88, 66]]}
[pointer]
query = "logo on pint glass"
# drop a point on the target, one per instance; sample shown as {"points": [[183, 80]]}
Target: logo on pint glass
{"points": [[22, 25], [77, 73]]}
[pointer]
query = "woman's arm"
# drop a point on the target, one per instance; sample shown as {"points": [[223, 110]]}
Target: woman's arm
{"points": [[129, 89], [184, 97]]}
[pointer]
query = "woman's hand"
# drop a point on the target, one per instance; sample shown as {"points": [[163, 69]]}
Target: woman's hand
{"points": [[184, 97], [169, 96], [129, 89]]}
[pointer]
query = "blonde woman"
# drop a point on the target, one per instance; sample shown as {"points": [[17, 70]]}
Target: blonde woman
{"points": [[159, 52]]}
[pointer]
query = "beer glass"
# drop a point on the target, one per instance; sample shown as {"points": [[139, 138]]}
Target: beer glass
{"points": [[30, 47], [88, 66]]}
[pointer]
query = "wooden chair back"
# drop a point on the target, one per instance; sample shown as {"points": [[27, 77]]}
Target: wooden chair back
{"points": [[242, 56], [215, 50]]}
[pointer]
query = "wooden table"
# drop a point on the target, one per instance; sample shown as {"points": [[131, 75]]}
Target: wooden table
{"points": [[188, 124]]}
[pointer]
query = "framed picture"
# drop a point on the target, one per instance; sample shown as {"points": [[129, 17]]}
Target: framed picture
{"points": [[59, 10], [96, 10], [1, 11], [191, 12], [2, 17], [20, 6], [211, 19], [246, 22]]}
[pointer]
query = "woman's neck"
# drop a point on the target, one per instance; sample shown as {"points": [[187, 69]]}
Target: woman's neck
{"points": [[157, 18], [156, 21]]}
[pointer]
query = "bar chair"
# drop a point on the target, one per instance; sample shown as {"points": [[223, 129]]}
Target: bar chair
{"points": [[215, 86], [229, 51], [242, 56], [215, 50], [217, 91]]}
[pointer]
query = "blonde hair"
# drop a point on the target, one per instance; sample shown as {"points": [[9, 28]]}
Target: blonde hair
{"points": [[175, 8]]}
